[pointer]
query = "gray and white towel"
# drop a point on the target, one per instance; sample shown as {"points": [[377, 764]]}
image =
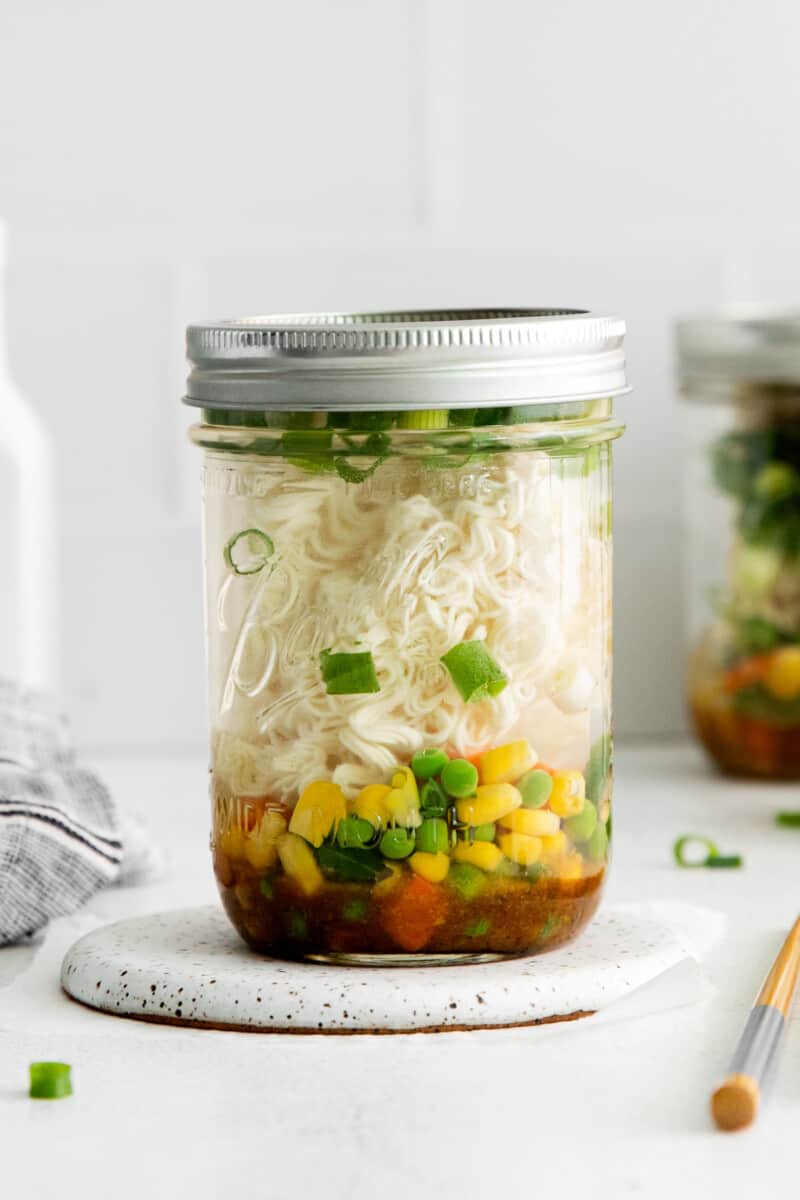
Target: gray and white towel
{"points": [[60, 835]]}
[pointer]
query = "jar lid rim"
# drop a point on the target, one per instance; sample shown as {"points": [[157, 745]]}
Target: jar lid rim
{"points": [[747, 343], [429, 358]]}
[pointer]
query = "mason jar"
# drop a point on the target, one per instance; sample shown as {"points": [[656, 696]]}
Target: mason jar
{"points": [[740, 372], [408, 603]]}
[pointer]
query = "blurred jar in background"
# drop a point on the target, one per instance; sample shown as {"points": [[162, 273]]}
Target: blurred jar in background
{"points": [[28, 604], [741, 374]]}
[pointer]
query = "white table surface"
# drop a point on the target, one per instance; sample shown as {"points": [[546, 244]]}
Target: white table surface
{"points": [[611, 1106]]}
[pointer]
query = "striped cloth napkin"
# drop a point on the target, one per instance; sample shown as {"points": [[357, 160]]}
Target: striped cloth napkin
{"points": [[60, 834]]}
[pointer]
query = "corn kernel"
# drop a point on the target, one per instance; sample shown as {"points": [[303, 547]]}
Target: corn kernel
{"points": [[782, 676], [318, 810], [232, 842], [554, 845], [299, 863], [489, 804], [390, 881], [568, 794], [245, 895], [433, 867], [520, 848], [534, 822], [260, 848], [402, 802], [261, 854], [485, 855], [506, 763], [370, 805], [571, 867]]}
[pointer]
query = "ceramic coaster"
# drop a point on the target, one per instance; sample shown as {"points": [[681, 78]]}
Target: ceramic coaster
{"points": [[189, 968]]}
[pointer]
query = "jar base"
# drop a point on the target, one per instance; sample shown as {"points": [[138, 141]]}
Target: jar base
{"points": [[342, 959]]}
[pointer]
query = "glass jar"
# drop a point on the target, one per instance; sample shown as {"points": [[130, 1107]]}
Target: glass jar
{"points": [[741, 372], [408, 566]]}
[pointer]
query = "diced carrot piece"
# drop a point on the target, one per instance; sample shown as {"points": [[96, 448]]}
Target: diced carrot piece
{"points": [[745, 673], [413, 912]]}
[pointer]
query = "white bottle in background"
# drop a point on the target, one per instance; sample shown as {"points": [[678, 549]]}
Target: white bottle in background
{"points": [[28, 567]]}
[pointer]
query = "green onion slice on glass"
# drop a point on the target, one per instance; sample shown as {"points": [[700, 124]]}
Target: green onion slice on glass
{"points": [[247, 552]]}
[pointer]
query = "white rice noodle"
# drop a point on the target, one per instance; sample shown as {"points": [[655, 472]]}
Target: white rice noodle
{"points": [[407, 575]]}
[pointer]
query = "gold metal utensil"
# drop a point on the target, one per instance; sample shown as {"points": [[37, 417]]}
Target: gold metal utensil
{"points": [[734, 1104]]}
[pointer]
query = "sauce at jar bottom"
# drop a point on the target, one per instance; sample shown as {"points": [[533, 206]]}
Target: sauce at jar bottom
{"points": [[742, 712], [501, 868], [746, 746], [407, 915]]}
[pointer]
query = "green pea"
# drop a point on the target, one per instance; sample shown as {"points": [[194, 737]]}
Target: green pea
{"points": [[481, 833], [597, 846], [432, 800], [506, 869], [468, 881], [459, 778], [477, 928], [428, 763], [550, 924], [535, 787], [397, 843], [433, 836], [535, 872], [355, 910], [354, 833], [581, 827], [297, 925], [265, 887]]}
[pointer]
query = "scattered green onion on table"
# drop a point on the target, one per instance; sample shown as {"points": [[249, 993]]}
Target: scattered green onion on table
{"points": [[684, 853], [50, 1080]]}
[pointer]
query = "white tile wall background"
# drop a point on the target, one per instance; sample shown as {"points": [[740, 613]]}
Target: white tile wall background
{"points": [[180, 159]]}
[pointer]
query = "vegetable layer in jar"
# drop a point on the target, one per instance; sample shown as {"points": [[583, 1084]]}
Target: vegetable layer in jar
{"points": [[745, 673], [409, 661]]}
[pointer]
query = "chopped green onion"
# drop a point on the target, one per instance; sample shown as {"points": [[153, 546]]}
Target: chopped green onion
{"points": [[712, 856], [432, 800], [348, 674], [247, 552], [724, 860], [474, 672], [791, 819], [50, 1080], [433, 418]]}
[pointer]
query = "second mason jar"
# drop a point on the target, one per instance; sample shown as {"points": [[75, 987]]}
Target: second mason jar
{"points": [[741, 372], [408, 569]]}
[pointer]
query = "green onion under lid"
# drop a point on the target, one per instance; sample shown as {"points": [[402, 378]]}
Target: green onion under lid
{"points": [[348, 674], [474, 672]]}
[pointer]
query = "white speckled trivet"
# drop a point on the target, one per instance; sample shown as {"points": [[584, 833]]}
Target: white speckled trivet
{"points": [[191, 968]]}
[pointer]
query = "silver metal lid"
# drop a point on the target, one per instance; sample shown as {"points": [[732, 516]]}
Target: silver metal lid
{"points": [[418, 360], [750, 344]]}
